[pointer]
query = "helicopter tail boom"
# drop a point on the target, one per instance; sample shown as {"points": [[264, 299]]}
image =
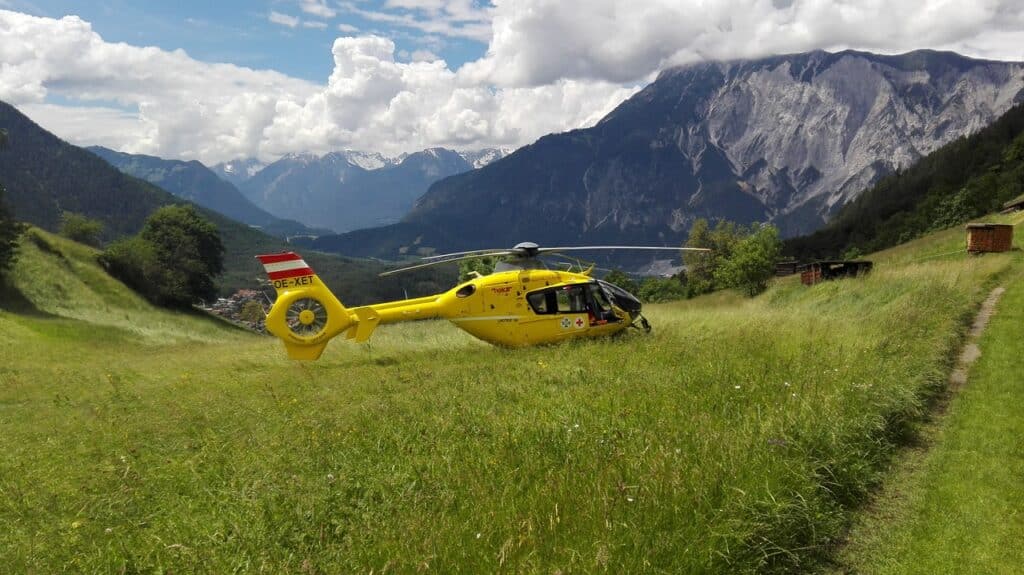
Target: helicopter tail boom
{"points": [[306, 314]]}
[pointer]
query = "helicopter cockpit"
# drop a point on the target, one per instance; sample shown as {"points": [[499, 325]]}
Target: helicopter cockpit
{"points": [[589, 298]]}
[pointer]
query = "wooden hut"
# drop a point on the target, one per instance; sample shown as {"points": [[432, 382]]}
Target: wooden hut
{"points": [[786, 268], [1014, 205], [983, 238], [833, 269]]}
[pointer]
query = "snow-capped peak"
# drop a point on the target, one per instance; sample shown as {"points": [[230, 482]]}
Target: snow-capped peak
{"points": [[482, 157], [367, 160]]}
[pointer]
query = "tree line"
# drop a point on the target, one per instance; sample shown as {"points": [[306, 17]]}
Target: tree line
{"points": [[740, 257]]}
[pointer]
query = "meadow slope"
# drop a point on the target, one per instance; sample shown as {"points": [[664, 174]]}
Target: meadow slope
{"points": [[955, 506], [735, 438]]}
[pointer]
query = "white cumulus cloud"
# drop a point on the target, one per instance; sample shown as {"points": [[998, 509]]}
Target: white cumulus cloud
{"points": [[147, 100], [180, 107], [551, 65], [375, 102], [536, 42]]}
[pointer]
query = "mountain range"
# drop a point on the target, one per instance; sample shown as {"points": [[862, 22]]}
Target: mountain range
{"points": [[787, 139], [198, 184], [348, 189]]}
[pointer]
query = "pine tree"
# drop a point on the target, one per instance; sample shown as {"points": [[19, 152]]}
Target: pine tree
{"points": [[10, 229]]}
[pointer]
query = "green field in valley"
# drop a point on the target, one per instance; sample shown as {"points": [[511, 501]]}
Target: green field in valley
{"points": [[737, 437]]}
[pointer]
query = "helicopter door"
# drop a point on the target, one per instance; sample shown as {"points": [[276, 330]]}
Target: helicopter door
{"points": [[560, 312], [600, 308]]}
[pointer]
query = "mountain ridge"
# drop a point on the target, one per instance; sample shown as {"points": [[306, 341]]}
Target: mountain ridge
{"points": [[336, 191], [193, 181], [786, 139]]}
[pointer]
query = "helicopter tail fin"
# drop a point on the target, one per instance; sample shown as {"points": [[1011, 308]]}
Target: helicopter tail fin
{"points": [[306, 314]]}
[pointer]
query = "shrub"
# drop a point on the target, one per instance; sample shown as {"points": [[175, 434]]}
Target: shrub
{"points": [[173, 261], [81, 229], [701, 267], [752, 262], [657, 290]]}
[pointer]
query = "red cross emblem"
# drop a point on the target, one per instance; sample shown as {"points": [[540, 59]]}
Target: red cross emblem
{"points": [[579, 322]]}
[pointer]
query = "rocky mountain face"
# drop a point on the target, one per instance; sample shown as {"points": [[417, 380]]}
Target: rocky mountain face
{"points": [[196, 183], [349, 190], [787, 139]]}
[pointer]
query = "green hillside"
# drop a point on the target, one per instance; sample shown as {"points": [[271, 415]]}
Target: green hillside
{"points": [[737, 437], [57, 285], [952, 505]]}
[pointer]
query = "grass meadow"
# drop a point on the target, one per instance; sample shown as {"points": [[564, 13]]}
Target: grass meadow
{"points": [[955, 508], [736, 437]]}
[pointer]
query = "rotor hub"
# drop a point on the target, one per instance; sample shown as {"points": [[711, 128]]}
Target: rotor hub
{"points": [[527, 249], [306, 317]]}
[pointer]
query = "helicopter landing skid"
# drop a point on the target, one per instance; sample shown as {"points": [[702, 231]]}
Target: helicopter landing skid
{"points": [[640, 322]]}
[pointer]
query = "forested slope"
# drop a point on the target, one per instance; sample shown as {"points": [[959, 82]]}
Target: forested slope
{"points": [[965, 179]]}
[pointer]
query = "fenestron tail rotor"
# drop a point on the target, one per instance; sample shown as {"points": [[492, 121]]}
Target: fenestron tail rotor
{"points": [[306, 317]]}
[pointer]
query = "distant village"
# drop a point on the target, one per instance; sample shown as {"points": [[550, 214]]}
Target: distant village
{"points": [[245, 308]]}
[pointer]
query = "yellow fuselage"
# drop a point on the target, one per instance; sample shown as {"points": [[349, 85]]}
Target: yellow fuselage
{"points": [[495, 309]]}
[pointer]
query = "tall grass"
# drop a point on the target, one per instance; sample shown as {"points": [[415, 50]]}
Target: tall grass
{"points": [[734, 438], [956, 508]]}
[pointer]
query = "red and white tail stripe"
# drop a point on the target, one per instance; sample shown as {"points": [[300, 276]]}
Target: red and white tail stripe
{"points": [[284, 266]]}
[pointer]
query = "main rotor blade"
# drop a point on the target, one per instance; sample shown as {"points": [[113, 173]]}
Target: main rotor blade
{"points": [[439, 262], [580, 248], [475, 253]]}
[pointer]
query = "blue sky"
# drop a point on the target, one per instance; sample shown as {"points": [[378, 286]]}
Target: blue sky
{"points": [[242, 33]]}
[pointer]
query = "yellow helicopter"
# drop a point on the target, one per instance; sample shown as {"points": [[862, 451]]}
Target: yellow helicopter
{"points": [[522, 303]]}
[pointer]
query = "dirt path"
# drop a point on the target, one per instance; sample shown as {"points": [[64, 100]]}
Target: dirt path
{"points": [[971, 352]]}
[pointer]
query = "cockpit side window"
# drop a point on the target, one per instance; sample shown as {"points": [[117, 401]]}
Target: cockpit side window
{"points": [[571, 300], [543, 302], [568, 299]]}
